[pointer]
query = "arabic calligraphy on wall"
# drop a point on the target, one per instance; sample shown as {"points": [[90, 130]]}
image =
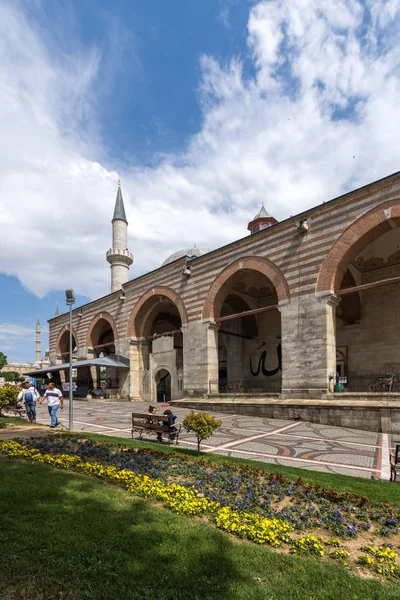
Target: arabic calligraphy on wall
{"points": [[261, 368]]}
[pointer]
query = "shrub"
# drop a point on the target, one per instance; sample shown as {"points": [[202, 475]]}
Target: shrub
{"points": [[202, 424], [8, 395]]}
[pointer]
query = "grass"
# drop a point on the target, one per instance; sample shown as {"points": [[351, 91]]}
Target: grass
{"points": [[15, 421], [374, 490], [70, 537]]}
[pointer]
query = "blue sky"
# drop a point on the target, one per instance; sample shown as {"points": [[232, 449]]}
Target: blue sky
{"points": [[204, 109]]}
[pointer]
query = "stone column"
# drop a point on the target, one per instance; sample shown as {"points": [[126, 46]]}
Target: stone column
{"points": [[139, 357], [308, 345], [95, 375], [124, 382], [200, 357]]}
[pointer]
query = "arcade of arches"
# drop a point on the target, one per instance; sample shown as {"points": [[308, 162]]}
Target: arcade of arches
{"points": [[256, 337]]}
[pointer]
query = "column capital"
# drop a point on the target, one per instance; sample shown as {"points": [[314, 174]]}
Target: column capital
{"points": [[213, 325], [137, 341], [331, 298]]}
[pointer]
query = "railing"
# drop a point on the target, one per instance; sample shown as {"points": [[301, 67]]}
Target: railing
{"points": [[244, 386], [369, 381]]}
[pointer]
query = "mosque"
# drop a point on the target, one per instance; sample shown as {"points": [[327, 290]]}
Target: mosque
{"points": [[40, 362], [306, 308]]}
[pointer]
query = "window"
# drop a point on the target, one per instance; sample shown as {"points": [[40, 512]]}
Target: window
{"points": [[256, 228], [264, 226]]}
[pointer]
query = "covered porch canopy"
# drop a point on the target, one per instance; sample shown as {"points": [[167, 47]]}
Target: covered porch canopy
{"points": [[119, 362]]}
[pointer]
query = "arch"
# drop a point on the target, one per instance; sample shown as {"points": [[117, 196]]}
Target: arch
{"points": [[102, 315], [163, 385], [371, 225], [145, 306], [215, 297], [238, 305], [63, 329], [161, 368]]}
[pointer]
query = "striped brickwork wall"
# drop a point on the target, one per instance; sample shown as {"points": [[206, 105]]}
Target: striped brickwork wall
{"points": [[297, 257]]}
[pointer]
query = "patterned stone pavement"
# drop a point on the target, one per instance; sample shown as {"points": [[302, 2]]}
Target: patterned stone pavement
{"points": [[297, 444]]}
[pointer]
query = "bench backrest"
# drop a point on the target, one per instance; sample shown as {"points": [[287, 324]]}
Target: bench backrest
{"points": [[157, 422]]}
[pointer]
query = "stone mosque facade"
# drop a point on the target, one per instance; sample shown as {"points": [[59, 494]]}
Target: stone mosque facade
{"points": [[288, 311]]}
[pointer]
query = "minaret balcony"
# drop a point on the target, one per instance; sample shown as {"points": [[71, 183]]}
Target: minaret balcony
{"points": [[119, 255]]}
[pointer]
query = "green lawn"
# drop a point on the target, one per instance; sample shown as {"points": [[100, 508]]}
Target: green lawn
{"points": [[15, 421], [70, 537], [374, 490]]}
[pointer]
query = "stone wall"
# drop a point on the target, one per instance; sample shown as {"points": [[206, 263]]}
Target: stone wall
{"points": [[308, 344], [356, 415], [374, 343]]}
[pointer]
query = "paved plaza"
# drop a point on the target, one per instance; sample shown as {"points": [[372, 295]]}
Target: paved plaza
{"points": [[291, 443]]}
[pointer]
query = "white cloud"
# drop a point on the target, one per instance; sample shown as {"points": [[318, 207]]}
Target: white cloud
{"points": [[325, 89], [11, 332]]}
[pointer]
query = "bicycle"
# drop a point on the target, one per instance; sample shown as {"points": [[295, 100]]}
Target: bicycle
{"points": [[385, 384]]}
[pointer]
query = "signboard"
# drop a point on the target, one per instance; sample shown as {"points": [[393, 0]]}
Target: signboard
{"points": [[65, 387]]}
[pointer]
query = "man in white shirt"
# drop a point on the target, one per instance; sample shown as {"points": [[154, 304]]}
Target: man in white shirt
{"points": [[29, 395], [55, 401]]}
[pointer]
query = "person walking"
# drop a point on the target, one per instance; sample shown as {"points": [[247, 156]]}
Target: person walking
{"points": [[55, 401], [29, 395]]}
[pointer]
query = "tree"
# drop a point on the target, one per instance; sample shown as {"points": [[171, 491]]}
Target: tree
{"points": [[202, 424], [10, 376], [3, 360], [8, 395]]}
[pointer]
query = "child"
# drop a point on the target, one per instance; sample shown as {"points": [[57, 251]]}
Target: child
{"points": [[171, 419]]}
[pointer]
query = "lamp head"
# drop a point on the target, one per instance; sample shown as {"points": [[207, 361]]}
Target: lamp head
{"points": [[70, 296]]}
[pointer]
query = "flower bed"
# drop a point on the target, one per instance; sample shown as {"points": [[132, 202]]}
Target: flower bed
{"points": [[242, 500]]}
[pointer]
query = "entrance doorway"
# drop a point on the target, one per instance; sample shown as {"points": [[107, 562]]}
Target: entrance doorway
{"points": [[163, 385]]}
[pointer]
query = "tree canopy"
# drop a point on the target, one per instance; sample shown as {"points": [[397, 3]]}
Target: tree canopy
{"points": [[12, 376], [3, 360]]}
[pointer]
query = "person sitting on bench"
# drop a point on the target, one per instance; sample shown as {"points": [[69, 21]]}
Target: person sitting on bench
{"points": [[152, 411], [171, 420]]}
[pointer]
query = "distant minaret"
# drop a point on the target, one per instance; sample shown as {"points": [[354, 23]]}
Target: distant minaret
{"points": [[118, 256], [57, 313], [38, 340]]}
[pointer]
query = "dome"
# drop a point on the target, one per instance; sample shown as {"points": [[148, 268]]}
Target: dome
{"points": [[262, 213], [190, 252]]}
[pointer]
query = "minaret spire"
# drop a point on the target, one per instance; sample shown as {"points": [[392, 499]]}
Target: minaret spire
{"points": [[119, 210], [57, 313], [38, 339], [118, 256]]}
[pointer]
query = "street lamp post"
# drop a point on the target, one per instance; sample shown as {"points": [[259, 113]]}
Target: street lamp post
{"points": [[70, 298]]}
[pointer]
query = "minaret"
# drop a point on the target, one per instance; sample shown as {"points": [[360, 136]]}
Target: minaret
{"points": [[38, 340], [118, 256], [57, 313]]}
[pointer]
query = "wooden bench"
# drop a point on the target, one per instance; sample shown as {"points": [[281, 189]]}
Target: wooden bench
{"points": [[395, 463], [155, 425]]}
